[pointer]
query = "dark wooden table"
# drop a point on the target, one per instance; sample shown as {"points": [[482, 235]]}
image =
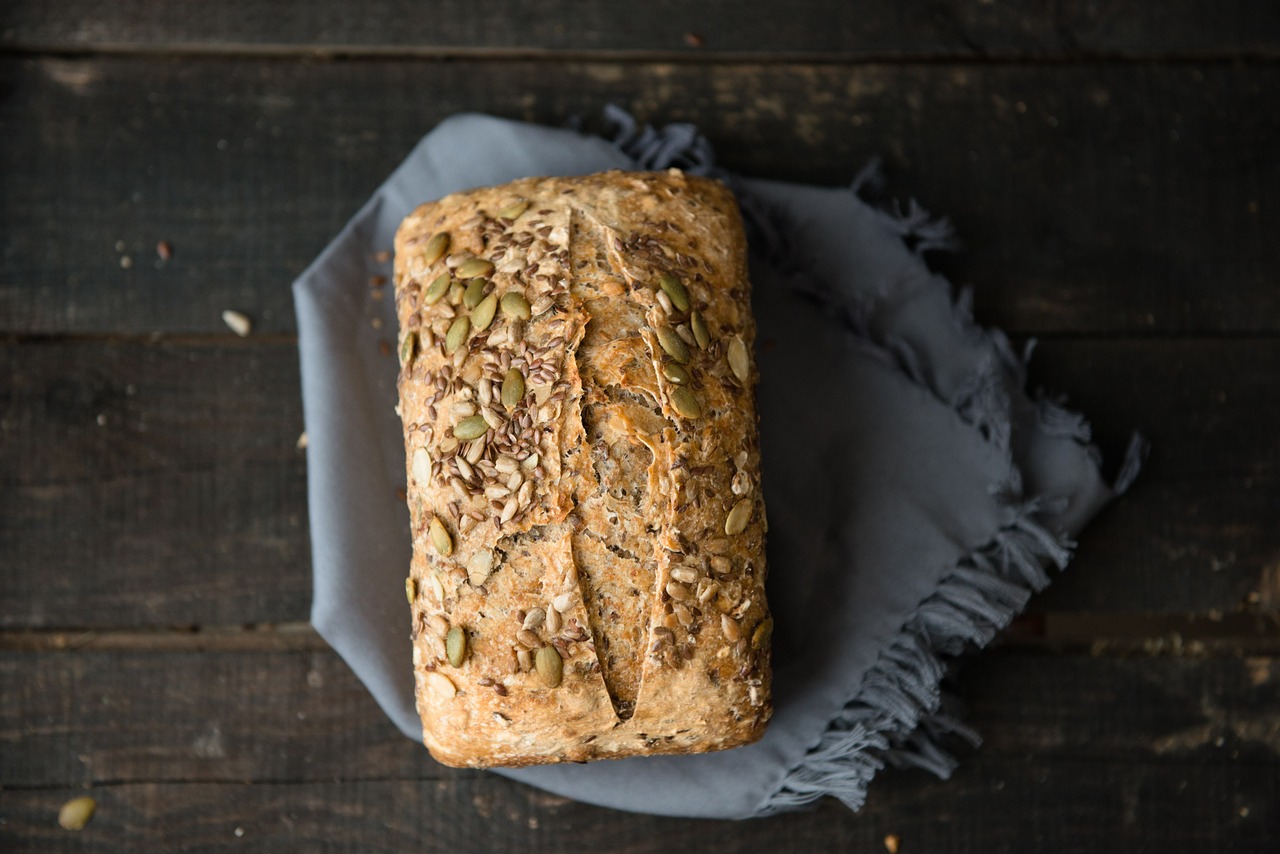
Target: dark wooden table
{"points": [[1114, 170]]}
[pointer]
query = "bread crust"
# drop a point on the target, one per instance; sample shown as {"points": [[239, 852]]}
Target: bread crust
{"points": [[608, 509]]}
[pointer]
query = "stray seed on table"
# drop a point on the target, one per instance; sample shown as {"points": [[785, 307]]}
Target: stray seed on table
{"points": [[238, 322], [436, 247], [164, 251], [440, 537], [75, 813]]}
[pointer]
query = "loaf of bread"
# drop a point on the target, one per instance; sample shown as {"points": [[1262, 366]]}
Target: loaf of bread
{"points": [[577, 392]]}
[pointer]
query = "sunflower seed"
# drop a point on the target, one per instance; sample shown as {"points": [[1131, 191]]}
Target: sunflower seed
{"points": [[438, 625], [436, 247], [410, 589], [408, 347], [512, 388], [439, 686], [728, 625], [672, 287], [676, 373], [530, 462], [737, 357], [513, 210], [474, 293], [515, 305], [550, 666], [440, 537], [462, 409], [470, 428], [480, 567], [524, 660], [492, 417], [677, 590], [473, 268], [685, 574], [563, 602], [528, 639], [474, 451], [421, 466], [673, 344], [238, 322], [457, 334], [483, 314], [534, 618], [720, 565], [760, 637], [554, 620], [506, 464], [75, 813], [685, 334], [437, 589], [439, 285], [509, 511], [665, 302], [686, 402], [736, 522], [706, 591]]}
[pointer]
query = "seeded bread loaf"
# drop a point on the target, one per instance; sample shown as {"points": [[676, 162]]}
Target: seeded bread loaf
{"points": [[576, 388]]}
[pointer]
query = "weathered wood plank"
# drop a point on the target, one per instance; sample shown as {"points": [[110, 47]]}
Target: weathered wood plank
{"points": [[1094, 198], [991, 806], [92, 717], [876, 28], [187, 505]]}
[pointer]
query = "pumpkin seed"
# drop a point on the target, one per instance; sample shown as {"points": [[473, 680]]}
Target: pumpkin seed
{"points": [[455, 646], [550, 666], [515, 305], [436, 289], [75, 813], [436, 247], [736, 522], [408, 347], [473, 268], [512, 388], [410, 589], [483, 315], [440, 537], [737, 357], [762, 634], [700, 333], [470, 428], [673, 344], [676, 373], [474, 293], [513, 210], [457, 334], [672, 287], [686, 402]]}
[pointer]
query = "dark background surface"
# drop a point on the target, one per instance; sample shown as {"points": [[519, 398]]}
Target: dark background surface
{"points": [[1114, 171]]}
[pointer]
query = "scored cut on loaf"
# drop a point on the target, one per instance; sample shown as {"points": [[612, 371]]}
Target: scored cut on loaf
{"points": [[577, 393]]}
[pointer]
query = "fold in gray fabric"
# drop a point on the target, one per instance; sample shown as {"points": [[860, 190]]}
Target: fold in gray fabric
{"points": [[915, 493]]}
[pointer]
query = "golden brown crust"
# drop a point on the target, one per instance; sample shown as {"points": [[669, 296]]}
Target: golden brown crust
{"points": [[583, 471]]}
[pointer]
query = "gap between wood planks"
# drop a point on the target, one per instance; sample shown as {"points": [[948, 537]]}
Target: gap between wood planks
{"points": [[435, 53], [1214, 635]]}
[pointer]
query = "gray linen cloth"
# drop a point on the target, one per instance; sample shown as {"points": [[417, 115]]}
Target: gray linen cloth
{"points": [[915, 493]]}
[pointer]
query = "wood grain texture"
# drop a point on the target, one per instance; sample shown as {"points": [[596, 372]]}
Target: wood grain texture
{"points": [[180, 750], [187, 504], [87, 717], [1018, 28], [1094, 198]]}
